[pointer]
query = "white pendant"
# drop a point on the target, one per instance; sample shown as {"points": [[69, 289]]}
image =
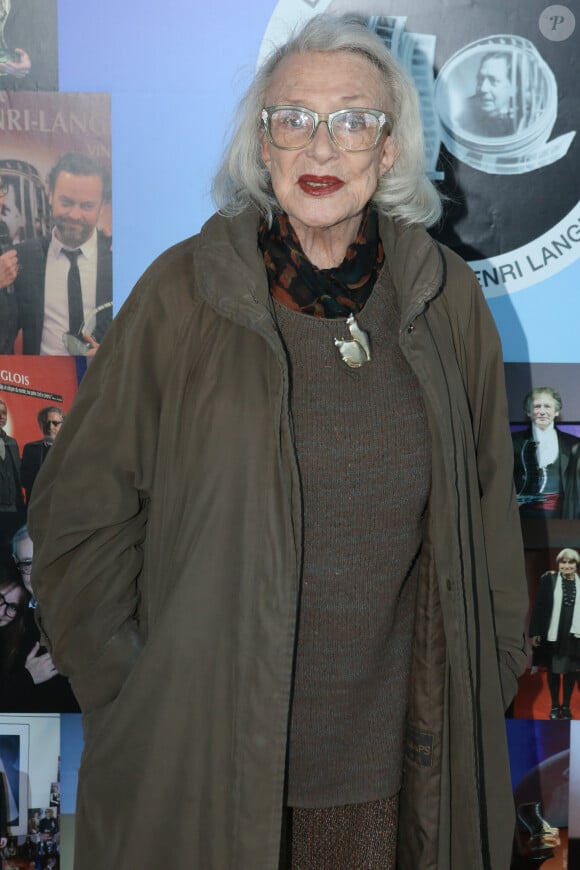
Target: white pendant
{"points": [[355, 352]]}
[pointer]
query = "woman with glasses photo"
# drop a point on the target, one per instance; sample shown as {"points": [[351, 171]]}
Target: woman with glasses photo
{"points": [[29, 681], [13, 604], [286, 579]]}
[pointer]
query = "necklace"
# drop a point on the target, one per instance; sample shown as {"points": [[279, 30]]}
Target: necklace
{"points": [[356, 350]]}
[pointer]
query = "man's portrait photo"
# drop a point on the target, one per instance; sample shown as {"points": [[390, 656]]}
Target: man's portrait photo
{"points": [[491, 110], [498, 86], [56, 283], [66, 276]]}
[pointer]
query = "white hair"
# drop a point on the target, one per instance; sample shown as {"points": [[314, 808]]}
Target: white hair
{"points": [[404, 193]]}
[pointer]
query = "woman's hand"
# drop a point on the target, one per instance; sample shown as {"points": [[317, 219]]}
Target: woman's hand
{"points": [[536, 640], [40, 667]]}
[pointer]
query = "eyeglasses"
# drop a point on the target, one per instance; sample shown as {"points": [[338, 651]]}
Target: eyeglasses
{"points": [[9, 609], [48, 423], [293, 127], [24, 566]]}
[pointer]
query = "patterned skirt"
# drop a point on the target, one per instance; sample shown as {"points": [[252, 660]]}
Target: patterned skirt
{"points": [[351, 837]]}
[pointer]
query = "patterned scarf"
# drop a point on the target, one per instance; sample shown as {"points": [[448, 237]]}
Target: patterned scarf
{"points": [[297, 283]]}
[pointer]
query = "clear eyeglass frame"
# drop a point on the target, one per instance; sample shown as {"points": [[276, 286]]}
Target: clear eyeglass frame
{"points": [[322, 118]]}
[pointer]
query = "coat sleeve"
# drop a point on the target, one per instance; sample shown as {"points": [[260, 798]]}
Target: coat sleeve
{"points": [[89, 509], [482, 362]]}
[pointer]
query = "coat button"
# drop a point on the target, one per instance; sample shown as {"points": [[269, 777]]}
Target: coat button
{"points": [[411, 327]]}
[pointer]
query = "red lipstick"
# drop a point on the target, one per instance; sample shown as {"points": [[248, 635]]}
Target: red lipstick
{"points": [[320, 185]]}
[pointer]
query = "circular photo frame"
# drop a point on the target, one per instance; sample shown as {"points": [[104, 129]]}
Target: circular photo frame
{"points": [[497, 101]]}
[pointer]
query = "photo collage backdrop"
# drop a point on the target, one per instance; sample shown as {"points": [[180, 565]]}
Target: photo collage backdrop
{"points": [[145, 94]]}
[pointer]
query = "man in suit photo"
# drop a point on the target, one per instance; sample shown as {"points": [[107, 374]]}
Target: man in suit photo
{"points": [[67, 276], [544, 458], [35, 452], [11, 500]]}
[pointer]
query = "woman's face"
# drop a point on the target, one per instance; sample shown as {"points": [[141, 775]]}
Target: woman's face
{"points": [[567, 567], [320, 186], [10, 597]]}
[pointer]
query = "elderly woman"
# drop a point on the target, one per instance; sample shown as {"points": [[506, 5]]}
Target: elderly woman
{"points": [[555, 630], [286, 580]]}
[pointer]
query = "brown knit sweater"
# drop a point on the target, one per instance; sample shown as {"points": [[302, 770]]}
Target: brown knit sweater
{"points": [[364, 454]]}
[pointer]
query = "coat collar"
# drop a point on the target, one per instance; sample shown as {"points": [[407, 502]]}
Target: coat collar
{"points": [[416, 265], [231, 276]]}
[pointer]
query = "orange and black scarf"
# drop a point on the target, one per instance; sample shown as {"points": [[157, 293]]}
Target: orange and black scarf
{"points": [[297, 283]]}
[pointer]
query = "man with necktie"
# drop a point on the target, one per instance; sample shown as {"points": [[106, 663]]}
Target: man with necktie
{"points": [[35, 452], [64, 278]]}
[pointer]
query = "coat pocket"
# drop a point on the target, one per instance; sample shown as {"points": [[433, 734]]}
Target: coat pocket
{"points": [[99, 684]]}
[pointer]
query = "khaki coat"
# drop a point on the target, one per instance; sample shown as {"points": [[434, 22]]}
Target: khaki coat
{"points": [[167, 531]]}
